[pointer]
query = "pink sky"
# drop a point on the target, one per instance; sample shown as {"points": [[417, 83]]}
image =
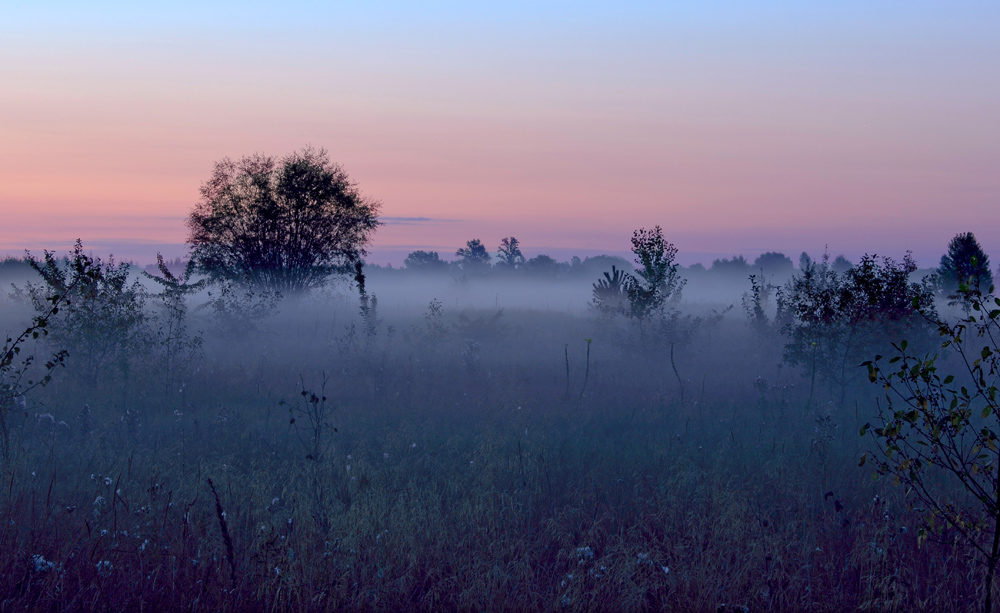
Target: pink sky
{"points": [[872, 133]]}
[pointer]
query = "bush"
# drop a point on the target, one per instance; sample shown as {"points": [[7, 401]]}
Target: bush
{"points": [[837, 320], [103, 324]]}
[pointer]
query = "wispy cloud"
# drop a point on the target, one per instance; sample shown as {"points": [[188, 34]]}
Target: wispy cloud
{"points": [[410, 221]]}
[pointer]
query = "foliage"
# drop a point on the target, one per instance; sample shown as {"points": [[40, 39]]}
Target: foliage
{"points": [[757, 306], [15, 369], [238, 308], [103, 323], [509, 253], [543, 265], [835, 321], [965, 264], [609, 293], [425, 261], [280, 225], [841, 264], [737, 265], [773, 263], [932, 426], [177, 348], [657, 283], [473, 257]]}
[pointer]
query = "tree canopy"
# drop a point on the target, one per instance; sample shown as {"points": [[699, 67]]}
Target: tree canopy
{"points": [[281, 225]]}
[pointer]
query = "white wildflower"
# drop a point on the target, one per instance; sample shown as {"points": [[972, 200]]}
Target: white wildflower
{"points": [[41, 564]]}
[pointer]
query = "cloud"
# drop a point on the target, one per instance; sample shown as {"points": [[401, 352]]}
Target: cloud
{"points": [[410, 221]]}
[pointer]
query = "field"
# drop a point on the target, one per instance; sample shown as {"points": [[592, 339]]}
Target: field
{"points": [[463, 456]]}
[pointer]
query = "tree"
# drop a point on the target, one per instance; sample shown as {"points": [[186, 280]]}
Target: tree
{"points": [[841, 264], [738, 265], [543, 265], [933, 427], [835, 321], [773, 262], [649, 291], [509, 253], [965, 264], [280, 225], [425, 261], [657, 282], [473, 256]]}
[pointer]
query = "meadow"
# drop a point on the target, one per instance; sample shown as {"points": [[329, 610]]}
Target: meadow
{"points": [[503, 447]]}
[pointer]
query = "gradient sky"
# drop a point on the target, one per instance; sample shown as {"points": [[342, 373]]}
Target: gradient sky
{"points": [[739, 127]]}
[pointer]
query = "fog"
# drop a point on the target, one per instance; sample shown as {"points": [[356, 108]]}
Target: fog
{"points": [[490, 441]]}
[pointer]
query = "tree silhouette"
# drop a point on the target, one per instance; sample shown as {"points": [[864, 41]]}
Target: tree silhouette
{"points": [[428, 261], [965, 264], [280, 225], [510, 254], [773, 262], [473, 256]]}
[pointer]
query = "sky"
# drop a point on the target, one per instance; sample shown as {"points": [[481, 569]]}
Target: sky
{"points": [[740, 128]]}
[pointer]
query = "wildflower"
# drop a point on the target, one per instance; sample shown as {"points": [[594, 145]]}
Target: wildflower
{"points": [[385, 455], [107, 481], [413, 446], [666, 570], [99, 501], [584, 553], [104, 568], [277, 571]]}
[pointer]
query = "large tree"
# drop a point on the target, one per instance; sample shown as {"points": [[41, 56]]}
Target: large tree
{"points": [[280, 225]]}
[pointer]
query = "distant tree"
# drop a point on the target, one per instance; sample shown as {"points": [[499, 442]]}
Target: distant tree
{"points": [[280, 225], [542, 265], [425, 261], [509, 253], [600, 263], [965, 264], [805, 262], [841, 264], [738, 265], [473, 257], [773, 263]]}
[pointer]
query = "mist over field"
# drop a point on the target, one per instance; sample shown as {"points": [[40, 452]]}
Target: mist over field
{"points": [[499, 306], [490, 440]]}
